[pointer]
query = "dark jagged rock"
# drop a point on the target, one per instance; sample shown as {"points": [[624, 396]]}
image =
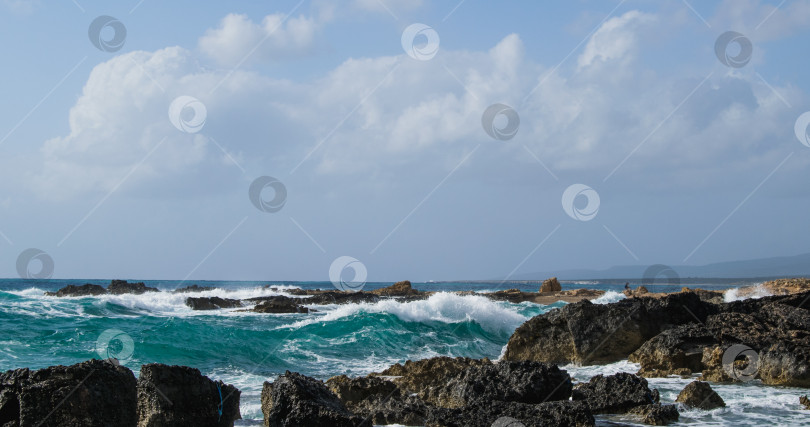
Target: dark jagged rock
{"points": [[91, 393], [699, 394], [278, 304], [615, 394], [180, 396], [193, 288], [78, 291], [212, 303], [295, 400], [676, 351], [560, 413], [804, 401], [118, 287], [550, 285], [399, 289], [423, 376], [396, 409], [337, 297], [523, 382], [656, 414]]}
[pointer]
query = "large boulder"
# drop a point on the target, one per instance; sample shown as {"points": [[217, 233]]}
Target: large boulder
{"points": [[78, 291], [424, 376], [118, 287], [178, 396], [699, 394], [212, 303], [615, 394], [550, 285], [676, 351], [523, 382], [87, 394], [590, 333], [295, 400]]}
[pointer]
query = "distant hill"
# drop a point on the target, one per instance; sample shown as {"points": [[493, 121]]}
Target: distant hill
{"points": [[798, 265]]}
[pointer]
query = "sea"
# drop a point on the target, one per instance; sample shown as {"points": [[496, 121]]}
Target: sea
{"points": [[246, 349]]}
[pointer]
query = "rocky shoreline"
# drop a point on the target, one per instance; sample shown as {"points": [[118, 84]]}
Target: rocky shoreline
{"points": [[687, 333]]}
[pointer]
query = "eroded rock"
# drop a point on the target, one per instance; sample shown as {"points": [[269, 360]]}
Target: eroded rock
{"points": [[295, 400], [118, 287], [615, 394], [78, 291], [699, 394]]}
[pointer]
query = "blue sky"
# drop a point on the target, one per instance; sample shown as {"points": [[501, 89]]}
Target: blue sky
{"points": [[383, 156]]}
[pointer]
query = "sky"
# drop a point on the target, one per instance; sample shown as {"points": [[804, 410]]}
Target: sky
{"points": [[387, 139]]}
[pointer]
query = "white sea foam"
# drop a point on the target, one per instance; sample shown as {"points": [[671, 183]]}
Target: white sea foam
{"points": [[441, 307], [609, 297], [757, 291]]}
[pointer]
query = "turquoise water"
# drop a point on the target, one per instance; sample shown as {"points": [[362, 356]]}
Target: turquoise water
{"points": [[246, 349]]}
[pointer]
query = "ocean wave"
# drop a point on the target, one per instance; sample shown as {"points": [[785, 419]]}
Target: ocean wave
{"points": [[755, 292], [440, 307], [609, 297]]}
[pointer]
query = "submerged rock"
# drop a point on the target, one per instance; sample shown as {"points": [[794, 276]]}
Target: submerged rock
{"points": [[170, 396], [615, 394], [87, 394], [78, 291], [295, 400], [656, 414], [118, 287], [804, 401], [699, 394], [212, 303]]}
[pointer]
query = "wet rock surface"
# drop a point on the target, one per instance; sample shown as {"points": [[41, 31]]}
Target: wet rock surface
{"points": [[278, 304], [212, 303], [615, 394], [91, 393], [676, 351], [118, 287], [78, 291], [182, 396], [699, 394], [656, 414], [296, 400]]}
